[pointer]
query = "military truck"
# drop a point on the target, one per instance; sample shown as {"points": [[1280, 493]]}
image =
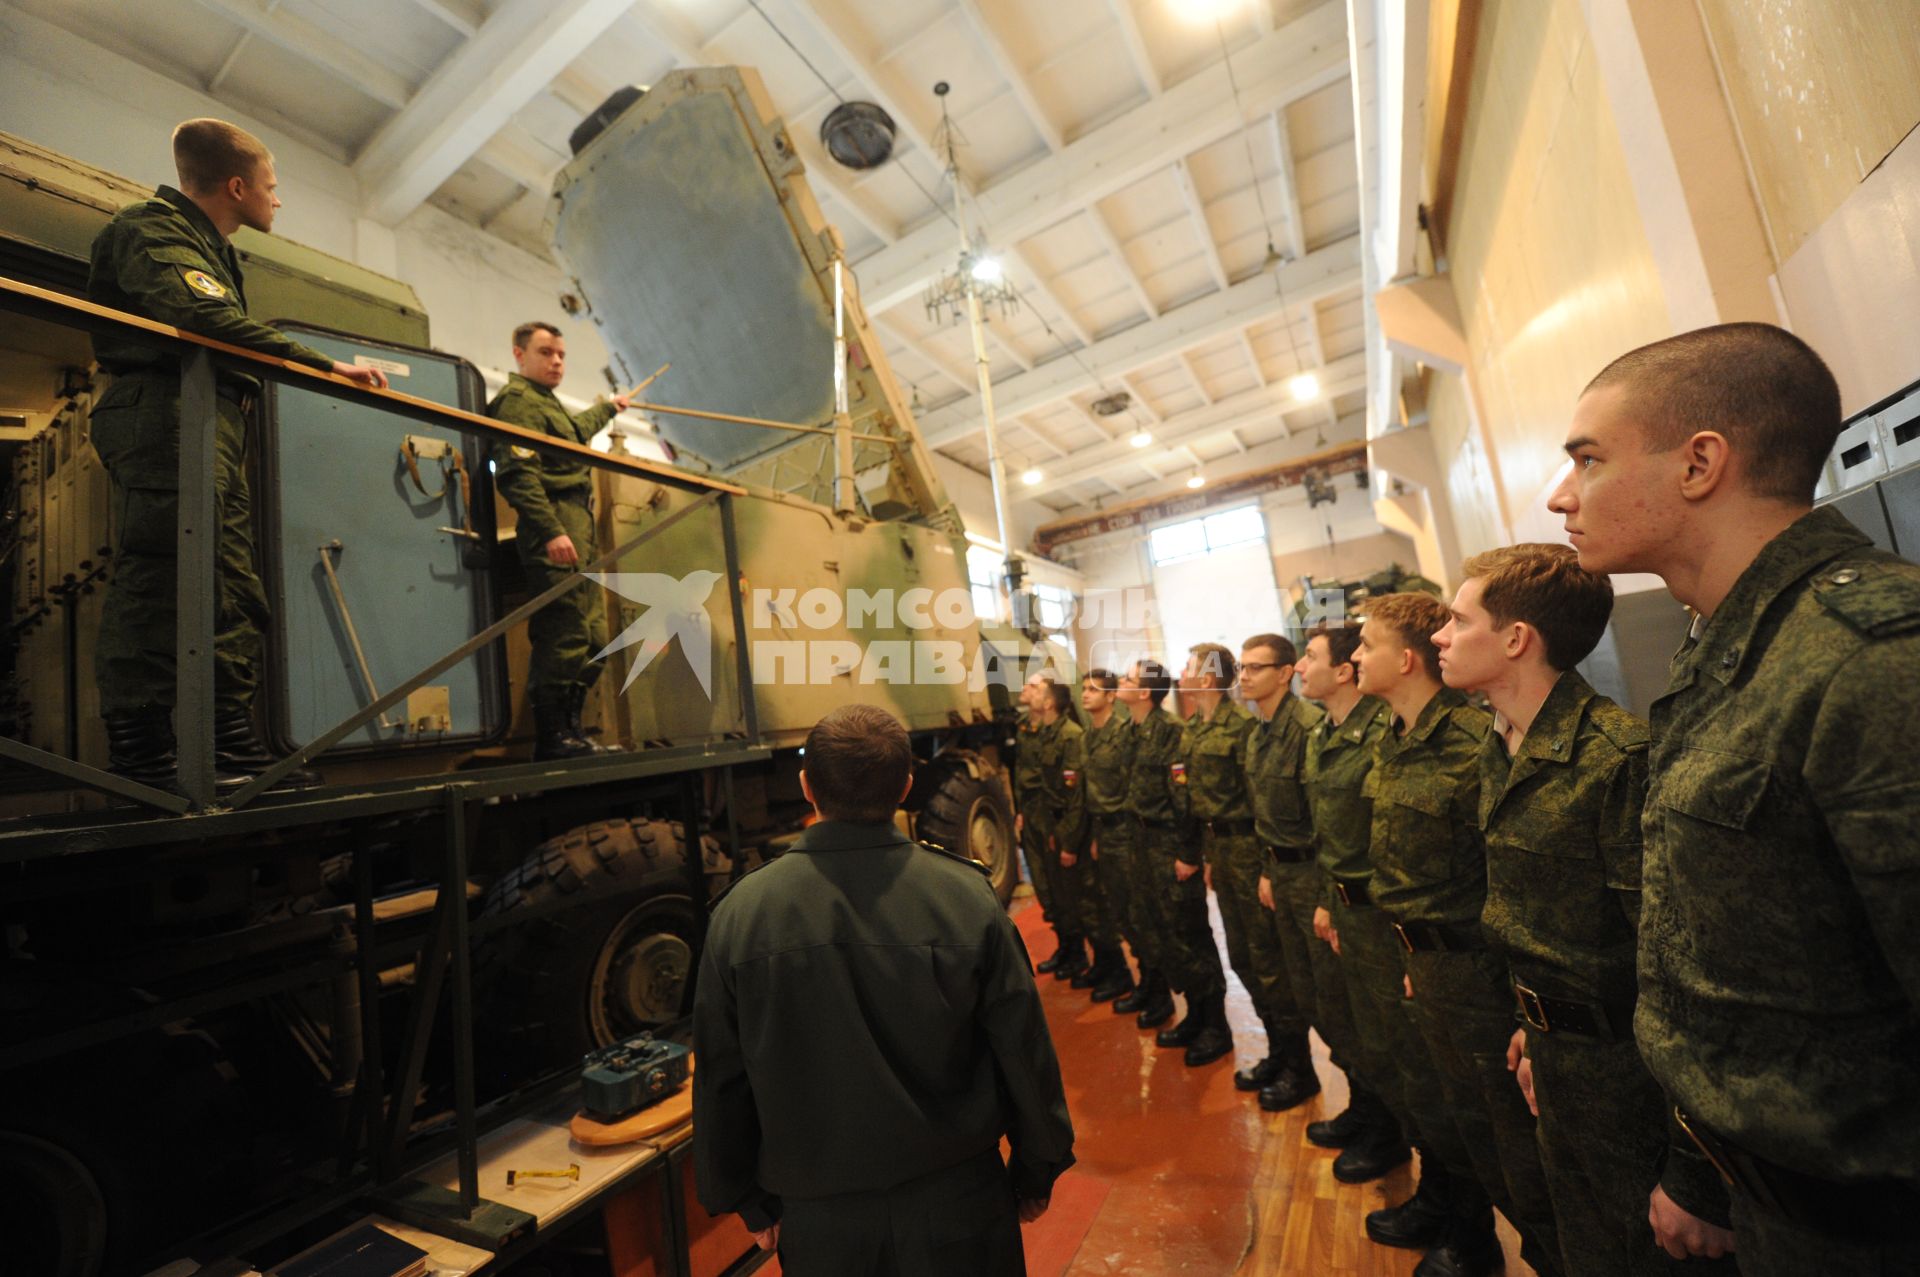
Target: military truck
{"points": [[242, 1003]]}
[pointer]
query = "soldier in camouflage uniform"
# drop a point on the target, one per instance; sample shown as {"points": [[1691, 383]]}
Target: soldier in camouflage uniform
{"points": [[1372, 1133], [1289, 885], [1429, 874], [1109, 746], [553, 499], [169, 259], [1562, 780], [1063, 826], [1215, 787], [1779, 955], [1170, 894], [1029, 796]]}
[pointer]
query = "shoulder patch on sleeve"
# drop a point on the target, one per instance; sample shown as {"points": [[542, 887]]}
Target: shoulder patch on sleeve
{"points": [[1878, 599], [204, 284], [955, 856]]}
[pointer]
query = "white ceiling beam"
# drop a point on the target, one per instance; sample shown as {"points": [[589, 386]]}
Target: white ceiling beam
{"points": [[1103, 231], [1309, 53], [1007, 347], [458, 21], [1183, 429], [1193, 375], [517, 154], [518, 51], [1239, 444], [1039, 287], [1263, 16], [1197, 215], [1289, 184], [1017, 83], [1040, 437], [829, 20], [1322, 273], [1129, 24], [221, 72], [1253, 357], [1316, 344], [317, 47], [921, 347]]}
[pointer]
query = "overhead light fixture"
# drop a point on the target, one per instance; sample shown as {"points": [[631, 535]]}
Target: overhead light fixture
{"points": [[1303, 386], [1112, 405], [1031, 476], [1141, 439], [1197, 481], [858, 135], [985, 269], [1205, 11]]}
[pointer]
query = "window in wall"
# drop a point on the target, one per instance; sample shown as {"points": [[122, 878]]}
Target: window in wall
{"points": [[1195, 537], [983, 572]]}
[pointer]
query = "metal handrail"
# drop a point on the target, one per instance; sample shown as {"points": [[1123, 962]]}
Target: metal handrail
{"points": [[198, 537]]}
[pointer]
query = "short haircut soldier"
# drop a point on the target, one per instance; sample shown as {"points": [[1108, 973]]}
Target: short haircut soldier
{"points": [[1062, 697], [857, 762], [1282, 648], [524, 333], [207, 152], [1343, 640], [1415, 619], [1217, 661], [1105, 680], [1153, 677], [1545, 587], [1763, 388]]}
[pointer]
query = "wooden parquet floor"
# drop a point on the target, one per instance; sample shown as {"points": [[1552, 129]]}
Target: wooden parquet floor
{"points": [[1179, 1175]]}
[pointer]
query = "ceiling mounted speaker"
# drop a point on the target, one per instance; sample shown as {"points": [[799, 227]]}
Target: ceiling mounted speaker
{"points": [[859, 135]]}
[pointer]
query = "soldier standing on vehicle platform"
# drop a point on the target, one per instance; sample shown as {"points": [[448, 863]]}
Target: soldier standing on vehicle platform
{"points": [[553, 499], [171, 259]]}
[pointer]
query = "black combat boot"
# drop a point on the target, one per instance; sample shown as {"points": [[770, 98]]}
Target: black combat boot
{"points": [[1215, 1039], [1350, 1126], [1119, 978], [1102, 967], [1262, 1074], [553, 736], [1133, 999], [1469, 1249], [1158, 1007], [1380, 1147], [140, 746], [1049, 965], [1075, 963], [1297, 1081], [237, 751], [576, 705], [1183, 1033], [1421, 1220]]}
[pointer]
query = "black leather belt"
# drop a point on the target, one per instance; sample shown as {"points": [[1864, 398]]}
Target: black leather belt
{"points": [[1420, 937], [1354, 895], [1873, 1211], [1291, 855], [1227, 828], [1563, 1015]]}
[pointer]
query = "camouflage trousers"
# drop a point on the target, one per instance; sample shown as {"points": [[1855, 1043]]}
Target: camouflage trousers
{"points": [[1773, 1247], [1463, 1006], [1033, 845], [1097, 921], [1394, 1061], [1177, 915], [1253, 932], [1313, 969], [1603, 1132], [1117, 837], [565, 634], [136, 431]]}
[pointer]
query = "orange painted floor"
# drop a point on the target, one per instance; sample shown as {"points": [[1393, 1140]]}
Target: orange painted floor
{"points": [[1180, 1174]]}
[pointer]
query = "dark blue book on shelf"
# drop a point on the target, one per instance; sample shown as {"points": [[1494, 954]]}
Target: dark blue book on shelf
{"points": [[366, 1251]]}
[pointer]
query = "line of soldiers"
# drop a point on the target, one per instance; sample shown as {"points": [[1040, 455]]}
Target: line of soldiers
{"points": [[1652, 991], [171, 258]]}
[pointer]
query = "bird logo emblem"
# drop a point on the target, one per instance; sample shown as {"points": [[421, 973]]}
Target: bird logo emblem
{"points": [[674, 607]]}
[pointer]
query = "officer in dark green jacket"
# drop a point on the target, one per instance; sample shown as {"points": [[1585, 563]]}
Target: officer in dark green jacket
{"points": [[1562, 780], [1779, 953], [1290, 887], [1170, 890], [553, 499], [1429, 874], [1109, 750], [1213, 783], [867, 1031], [170, 259]]}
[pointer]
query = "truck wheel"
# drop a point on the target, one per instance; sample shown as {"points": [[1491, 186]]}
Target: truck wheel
{"points": [[53, 1212], [615, 963], [971, 816]]}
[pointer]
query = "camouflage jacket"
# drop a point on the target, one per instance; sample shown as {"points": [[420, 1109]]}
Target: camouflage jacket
{"points": [[1428, 862], [1109, 762], [1338, 760], [163, 259], [1274, 759], [1158, 745], [1063, 779], [1780, 929], [1213, 779], [1027, 786], [529, 481]]}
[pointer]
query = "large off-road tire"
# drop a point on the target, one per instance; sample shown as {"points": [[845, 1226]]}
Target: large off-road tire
{"points": [[616, 963], [971, 814], [53, 1212]]}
